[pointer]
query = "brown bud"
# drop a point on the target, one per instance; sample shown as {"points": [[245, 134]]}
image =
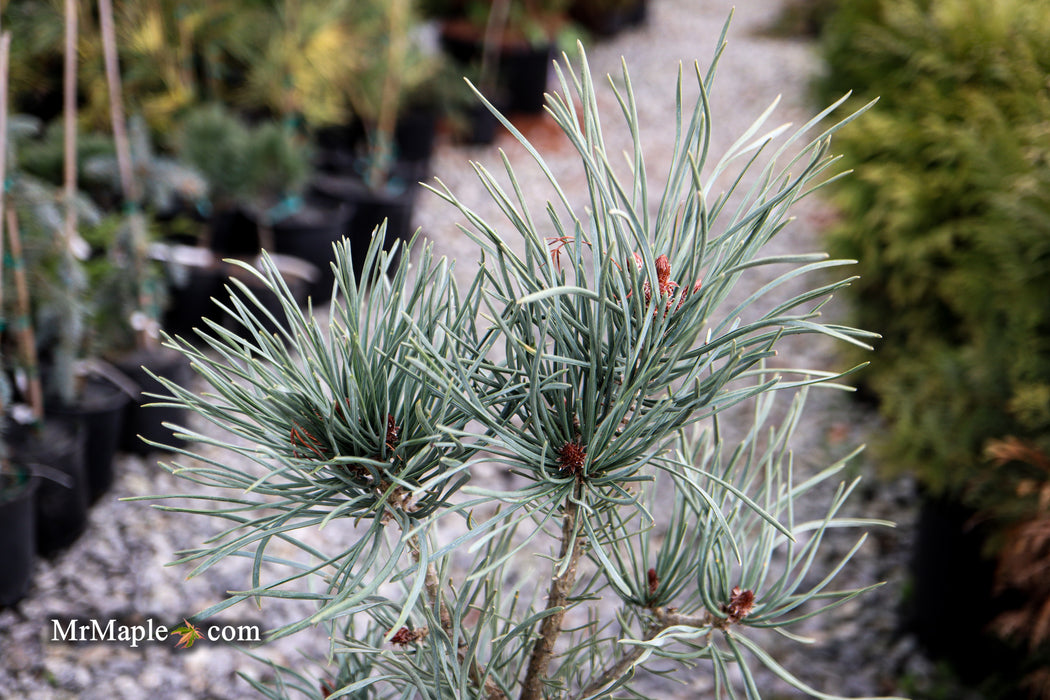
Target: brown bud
{"points": [[740, 604], [404, 636], [571, 457], [663, 269]]}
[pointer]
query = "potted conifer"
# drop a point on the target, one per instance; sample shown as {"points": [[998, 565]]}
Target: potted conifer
{"points": [[74, 388], [380, 185], [18, 485], [136, 291], [54, 446], [255, 177], [60, 504], [513, 41]]}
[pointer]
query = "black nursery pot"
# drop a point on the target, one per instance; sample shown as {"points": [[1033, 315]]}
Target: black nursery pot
{"points": [[192, 301], [522, 67], [17, 534], [524, 73], [416, 134], [100, 414], [55, 451], [953, 584], [394, 204], [340, 148], [232, 233], [142, 421], [638, 14], [604, 22], [309, 234], [480, 126]]}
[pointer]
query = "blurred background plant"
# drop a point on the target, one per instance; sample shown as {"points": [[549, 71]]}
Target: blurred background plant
{"points": [[262, 169], [62, 307], [949, 216]]}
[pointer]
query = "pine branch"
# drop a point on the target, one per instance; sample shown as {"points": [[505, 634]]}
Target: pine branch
{"points": [[665, 618], [572, 546], [433, 590], [433, 587], [618, 668]]}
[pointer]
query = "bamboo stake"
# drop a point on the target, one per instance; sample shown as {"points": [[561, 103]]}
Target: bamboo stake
{"points": [[69, 105], [491, 46], [24, 328], [69, 340], [5, 58], [146, 334], [116, 101], [386, 119]]}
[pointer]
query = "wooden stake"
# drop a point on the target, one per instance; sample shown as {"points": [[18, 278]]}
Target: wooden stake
{"points": [[22, 324], [146, 336], [70, 336], [69, 105], [5, 58]]}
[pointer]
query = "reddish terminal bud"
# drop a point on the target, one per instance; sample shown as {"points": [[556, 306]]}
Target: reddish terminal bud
{"points": [[663, 271], [654, 581], [740, 604], [571, 457], [404, 636]]}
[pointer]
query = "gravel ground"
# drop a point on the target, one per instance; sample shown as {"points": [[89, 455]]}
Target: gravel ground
{"points": [[117, 569]]}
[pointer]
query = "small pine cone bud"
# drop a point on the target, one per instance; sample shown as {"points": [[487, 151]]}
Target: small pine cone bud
{"points": [[740, 604], [571, 457], [404, 636], [654, 581], [663, 270]]}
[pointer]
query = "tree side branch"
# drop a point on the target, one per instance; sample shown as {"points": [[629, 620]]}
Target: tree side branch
{"points": [[665, 618], [432, 586]]}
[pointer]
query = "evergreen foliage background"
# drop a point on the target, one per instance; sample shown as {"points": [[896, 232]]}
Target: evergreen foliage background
{"points": [[949, 216]]}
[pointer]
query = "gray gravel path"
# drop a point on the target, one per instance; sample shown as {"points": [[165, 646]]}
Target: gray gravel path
{"points": [[117, 568]]}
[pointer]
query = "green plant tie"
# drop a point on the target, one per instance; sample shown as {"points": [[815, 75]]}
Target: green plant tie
{"points": [[204, 207], [150, 288], [285, 208]]}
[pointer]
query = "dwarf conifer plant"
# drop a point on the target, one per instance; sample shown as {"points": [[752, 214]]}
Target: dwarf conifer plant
{"points": [[585, 360]]}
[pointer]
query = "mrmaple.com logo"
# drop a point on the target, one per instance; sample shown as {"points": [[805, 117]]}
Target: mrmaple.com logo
{"points": [[147, 630]]}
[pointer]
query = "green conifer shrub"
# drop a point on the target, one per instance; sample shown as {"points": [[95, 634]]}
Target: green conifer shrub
{"points": [[949, 216]]}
